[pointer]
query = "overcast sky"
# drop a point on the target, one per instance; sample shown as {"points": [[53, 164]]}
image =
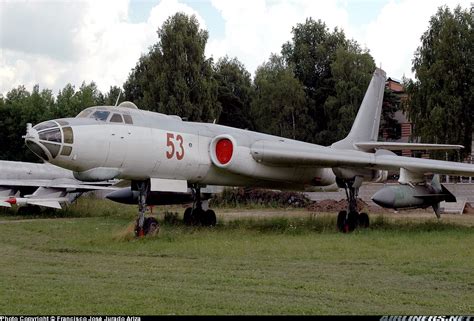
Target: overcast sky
{"points": [[55, 42]]}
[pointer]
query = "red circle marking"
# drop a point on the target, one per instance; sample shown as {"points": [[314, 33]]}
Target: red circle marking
{"points": [[224, 150]]}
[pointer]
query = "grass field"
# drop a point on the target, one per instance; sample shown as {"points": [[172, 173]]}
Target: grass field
{"points": [[87, 262]]}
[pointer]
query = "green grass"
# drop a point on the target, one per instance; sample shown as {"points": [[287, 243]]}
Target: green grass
{"points": [[92, 265]]}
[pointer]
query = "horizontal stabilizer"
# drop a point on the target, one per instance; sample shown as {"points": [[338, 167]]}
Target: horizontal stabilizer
{"points": [[369, 146]]}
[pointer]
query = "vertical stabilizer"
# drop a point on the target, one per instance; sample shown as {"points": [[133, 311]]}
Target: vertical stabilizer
{"points": [[366, 124]]}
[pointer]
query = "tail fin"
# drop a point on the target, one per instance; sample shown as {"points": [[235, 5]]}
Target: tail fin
{"points": [[366, 124]]}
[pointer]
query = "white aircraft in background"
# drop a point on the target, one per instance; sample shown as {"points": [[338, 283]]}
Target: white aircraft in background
{"points": [[30, 185], [163, 153]]}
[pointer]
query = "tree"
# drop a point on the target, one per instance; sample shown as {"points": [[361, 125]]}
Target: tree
{"points": [[279, 105], [111, 97], [234, 93], [390, 105], [20, 107], [441, 98], [334, 73], [351, 72], [175, 77], [67, 103], [70, 102]]}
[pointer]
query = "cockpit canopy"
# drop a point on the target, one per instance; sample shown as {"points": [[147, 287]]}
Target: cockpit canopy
{"points": [[106, 115], [56, 136]]}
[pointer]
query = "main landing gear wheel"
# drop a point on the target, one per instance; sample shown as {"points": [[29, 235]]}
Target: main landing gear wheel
{"points": [[363, 220], [209, 218], [341, 220], [188, 216], [348, 221], [196, 215]]}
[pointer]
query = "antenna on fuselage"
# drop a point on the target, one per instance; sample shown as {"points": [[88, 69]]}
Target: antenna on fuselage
{"points": [[118, 97]]}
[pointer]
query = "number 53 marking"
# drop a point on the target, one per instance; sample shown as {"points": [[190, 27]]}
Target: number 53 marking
{"points": [[170, 142]]}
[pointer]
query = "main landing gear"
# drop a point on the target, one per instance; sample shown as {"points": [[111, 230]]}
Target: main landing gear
{"points": [[348, 221], [196, 215]]}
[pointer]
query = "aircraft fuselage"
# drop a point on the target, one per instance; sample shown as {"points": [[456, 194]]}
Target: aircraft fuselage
{"points": [[154, 145]]}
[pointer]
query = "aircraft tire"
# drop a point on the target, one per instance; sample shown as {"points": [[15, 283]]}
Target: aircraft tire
{"points": [[351, 222], [188, 216], [210, 218], [151, 226], [364, 220], [341, 220]]}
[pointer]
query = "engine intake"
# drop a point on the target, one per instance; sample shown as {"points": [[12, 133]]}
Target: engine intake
{"points": [[222, 150]]}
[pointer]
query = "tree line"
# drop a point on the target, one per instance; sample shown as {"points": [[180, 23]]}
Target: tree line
{"points": [[310, 91]]}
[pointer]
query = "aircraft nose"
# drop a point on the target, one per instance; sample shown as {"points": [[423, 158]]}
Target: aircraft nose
{"points": [[31, 133], [384, 197], [32, 142], [44, 139]]}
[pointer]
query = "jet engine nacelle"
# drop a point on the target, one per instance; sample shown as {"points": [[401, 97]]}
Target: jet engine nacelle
{"points": [[227, 154]]}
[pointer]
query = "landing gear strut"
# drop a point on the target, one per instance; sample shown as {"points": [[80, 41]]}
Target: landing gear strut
{"points": [[196, 215], [348, 221], [148, 225]]}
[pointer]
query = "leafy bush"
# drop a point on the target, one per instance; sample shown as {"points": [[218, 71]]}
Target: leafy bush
{"points": [[235, 197]]}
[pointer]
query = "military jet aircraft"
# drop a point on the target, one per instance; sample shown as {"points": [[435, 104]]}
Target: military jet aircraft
{"points": [[31, 186], [163, 153]]}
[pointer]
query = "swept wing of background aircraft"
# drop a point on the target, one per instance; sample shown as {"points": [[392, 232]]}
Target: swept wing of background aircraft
{"points": [[163, 153], [31, 185]]}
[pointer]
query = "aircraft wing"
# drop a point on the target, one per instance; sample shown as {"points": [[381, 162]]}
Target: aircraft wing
{"points": [[286, 154], [368, 146], [52, 184], [44, 192]]}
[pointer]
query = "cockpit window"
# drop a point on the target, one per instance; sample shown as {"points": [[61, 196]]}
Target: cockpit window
{"points": [[128, 119], [116, 118], [53, 135], [37, 149], [84, 113], [52, 148], [101, 115], [68, 135], [45, 125]]}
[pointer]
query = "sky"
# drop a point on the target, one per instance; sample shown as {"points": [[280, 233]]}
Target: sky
{"points": [[56, 42]]}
